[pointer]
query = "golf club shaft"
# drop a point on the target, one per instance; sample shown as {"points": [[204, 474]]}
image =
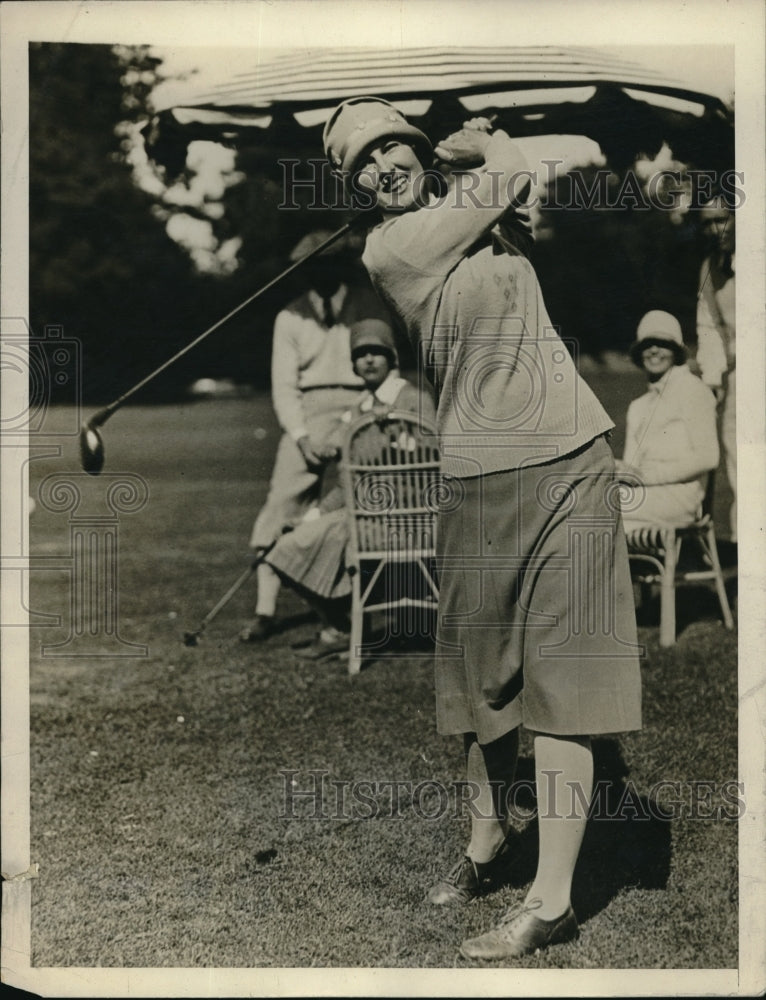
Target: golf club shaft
{"points": [[103, 415], [237, 585]]}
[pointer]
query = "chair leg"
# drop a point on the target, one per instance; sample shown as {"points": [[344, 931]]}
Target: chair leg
{"points": [[357, 626], [668, 592], [719, 584]]}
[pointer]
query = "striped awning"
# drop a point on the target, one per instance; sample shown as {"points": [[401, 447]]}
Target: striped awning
{"points": [[330, 75], [532, 90]]}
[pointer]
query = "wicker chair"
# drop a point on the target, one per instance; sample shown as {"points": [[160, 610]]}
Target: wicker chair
{"points": [[655, 555], [390, 476]]}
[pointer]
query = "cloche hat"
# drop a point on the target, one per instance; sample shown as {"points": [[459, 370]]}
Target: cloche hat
{"points": [[661, 329], [361, 121]]}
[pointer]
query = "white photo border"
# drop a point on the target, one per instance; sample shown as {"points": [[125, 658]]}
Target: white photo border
{"points": [[383, 22]]}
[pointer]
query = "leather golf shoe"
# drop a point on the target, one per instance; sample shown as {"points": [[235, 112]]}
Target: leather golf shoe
{"points": [[261, 627], [520, 932], [470, 879]]}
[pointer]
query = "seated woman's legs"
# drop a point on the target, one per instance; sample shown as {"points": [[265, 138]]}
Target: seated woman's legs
{"points": [[333, 612]]}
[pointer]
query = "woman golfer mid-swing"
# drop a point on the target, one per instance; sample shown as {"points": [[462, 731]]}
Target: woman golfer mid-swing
{"points": [[536, 619]]}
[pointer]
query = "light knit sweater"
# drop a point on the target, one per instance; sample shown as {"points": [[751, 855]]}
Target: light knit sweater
{"points": [[508, 391]]}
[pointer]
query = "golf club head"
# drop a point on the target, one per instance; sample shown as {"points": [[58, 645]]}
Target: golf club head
{"points": [[191, 638], [91, 450]]}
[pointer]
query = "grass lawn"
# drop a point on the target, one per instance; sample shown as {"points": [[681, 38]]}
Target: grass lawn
{"points": [[160, 785]]}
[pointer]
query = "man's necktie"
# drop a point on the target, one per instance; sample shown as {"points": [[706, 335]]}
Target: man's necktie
{"points": [[329, 315]]}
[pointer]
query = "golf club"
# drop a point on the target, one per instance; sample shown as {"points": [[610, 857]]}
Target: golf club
{"points": [[193, 638], [91, 442]]}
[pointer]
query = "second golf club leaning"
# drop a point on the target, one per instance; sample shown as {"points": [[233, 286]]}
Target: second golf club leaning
{"points": [[91, 441], [193, 638]]}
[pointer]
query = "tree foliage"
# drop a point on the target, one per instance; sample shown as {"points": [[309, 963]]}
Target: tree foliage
{"points": [[603, 264], [102, 266]]}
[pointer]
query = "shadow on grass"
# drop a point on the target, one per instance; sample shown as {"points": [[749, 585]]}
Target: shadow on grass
{"points": [[626, 846], [295, 621], [727, 553], [693, 604], [404, 633]]}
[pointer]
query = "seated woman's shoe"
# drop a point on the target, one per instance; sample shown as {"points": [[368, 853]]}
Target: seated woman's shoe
{"points": [[259, 628], [469, 878], [329, 642], [520, 932]]}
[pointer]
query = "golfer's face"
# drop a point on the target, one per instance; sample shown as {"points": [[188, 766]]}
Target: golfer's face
{"points": [[657, 360], [371, 363], [392, 172]]}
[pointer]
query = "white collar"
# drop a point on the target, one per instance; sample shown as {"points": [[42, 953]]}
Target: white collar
{"points": [[386, 392]]}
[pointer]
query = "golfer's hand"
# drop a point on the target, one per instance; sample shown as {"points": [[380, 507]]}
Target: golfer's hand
{"points": [[311, 456], [463, 149], [480, 124], [719, 392]]}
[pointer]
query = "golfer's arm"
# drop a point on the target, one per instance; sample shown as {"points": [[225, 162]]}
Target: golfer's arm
{"points": [[480, 198], [504, 157]]}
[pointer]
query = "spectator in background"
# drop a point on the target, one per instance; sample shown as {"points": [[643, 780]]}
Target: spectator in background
{"points": [[311, 558], [312, 385], [716, 331], [671, 444]]}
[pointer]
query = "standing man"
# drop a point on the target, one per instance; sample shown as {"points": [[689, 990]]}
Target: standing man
{"points": [[313, 384], [716, 331]]}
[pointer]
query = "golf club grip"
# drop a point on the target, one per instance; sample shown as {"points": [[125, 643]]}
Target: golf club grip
{"points": [[104, 414]]}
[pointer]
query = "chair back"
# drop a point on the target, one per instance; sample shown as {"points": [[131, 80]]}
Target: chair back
{"points": [[390, 475]]}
